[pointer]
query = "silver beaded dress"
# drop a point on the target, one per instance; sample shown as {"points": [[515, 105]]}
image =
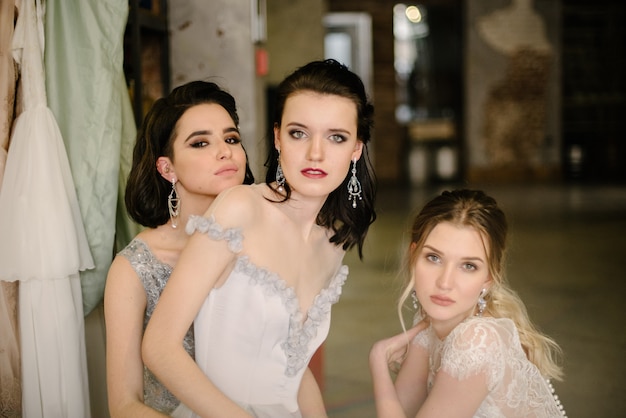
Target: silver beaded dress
{"points": [[154, 275]]}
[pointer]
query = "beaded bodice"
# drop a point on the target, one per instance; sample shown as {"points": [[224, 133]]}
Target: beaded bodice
{"points": [[153, 275], [491, 346], [252, 339]]}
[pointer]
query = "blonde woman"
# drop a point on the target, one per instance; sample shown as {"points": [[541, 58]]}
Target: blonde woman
{"points": [[474, 352]]}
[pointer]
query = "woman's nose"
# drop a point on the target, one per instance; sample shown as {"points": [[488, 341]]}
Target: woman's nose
{"points": [[224, 151], [316, 149], [445, 279]]}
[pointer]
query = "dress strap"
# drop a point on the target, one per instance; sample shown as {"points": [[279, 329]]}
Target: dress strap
{"points": [[215, 231]]}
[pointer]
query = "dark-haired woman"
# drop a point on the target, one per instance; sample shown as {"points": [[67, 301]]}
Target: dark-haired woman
{"points": [[265, 263], [188, 151]]}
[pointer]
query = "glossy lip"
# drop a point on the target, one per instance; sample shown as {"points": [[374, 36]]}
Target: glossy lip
{"points": [[314, 173], [441, 300], [227, 170]]}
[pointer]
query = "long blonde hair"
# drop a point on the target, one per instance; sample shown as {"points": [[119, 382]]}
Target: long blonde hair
{"points": [[475, 209]]}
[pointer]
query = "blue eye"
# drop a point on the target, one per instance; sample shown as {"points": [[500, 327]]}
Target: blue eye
{"points": [[338, 138], [469, 266], [296, 134], [433, 258]]}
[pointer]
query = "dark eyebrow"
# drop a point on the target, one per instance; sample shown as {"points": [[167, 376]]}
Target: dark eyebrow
{"points": [[209, 133], [198, 133], [333, 130]]}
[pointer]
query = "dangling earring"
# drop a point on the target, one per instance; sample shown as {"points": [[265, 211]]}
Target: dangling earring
{"points": [[173, 205], [280, 177], [414, 298], [482, 303], [354, 186]]}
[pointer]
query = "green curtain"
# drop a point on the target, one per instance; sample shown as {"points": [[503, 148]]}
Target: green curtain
{"points": [[87, 93]]}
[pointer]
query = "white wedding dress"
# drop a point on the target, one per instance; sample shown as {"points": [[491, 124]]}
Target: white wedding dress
{"points": [[43, 244], [252, 340], [491, 346]]}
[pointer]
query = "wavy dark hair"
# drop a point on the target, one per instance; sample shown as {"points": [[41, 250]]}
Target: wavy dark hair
{"points": [[146, 191], [350, 225]]}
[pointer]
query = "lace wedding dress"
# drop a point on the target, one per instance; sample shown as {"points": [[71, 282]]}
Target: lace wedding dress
{"points": [[491, 346]]}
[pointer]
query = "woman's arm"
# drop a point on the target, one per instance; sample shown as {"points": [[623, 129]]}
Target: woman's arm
{"points": [[472, 350], [195, 274], [412, 380], [397, 400], [310, 398], [454, 398], [124, 308]]}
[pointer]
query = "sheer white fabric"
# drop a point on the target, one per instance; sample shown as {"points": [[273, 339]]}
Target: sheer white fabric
{"points": [[252, 340], [43, 244], [10, 380], [491, 346]]}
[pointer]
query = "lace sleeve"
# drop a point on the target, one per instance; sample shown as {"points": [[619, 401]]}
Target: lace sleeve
{"points": [[213, 230], [477, 346], [422, 338]]}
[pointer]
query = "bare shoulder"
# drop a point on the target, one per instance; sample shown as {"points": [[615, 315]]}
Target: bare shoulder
{"points": [[121, 281], [239, 205]]}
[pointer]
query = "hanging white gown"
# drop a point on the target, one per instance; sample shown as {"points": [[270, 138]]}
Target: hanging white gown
{"points": [[10, 381], [43, 243]]}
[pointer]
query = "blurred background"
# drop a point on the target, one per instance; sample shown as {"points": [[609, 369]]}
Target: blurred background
{"points": [[522, 98]]}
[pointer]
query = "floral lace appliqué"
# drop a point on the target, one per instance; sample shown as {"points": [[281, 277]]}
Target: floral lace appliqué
{"points": [[301, 330], [491, 346], [209, 226]]}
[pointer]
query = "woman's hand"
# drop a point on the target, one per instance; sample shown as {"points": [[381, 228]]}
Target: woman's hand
{"points": [[390, 400], [393, 350]]}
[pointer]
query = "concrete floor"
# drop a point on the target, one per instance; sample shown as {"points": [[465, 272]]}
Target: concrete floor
{"points": [[567, 259]]}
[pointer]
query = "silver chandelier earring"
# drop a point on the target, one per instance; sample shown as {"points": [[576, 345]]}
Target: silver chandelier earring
{"points": [[414, 299], [173, 205], [280, 177], [354, 186], [482, 303]]}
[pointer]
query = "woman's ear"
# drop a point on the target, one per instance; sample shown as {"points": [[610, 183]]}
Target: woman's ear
{"points": [[277, 137], [358, 150], [488, 283], [165, 168]]}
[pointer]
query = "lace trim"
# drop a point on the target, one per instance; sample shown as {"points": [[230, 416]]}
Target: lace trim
{"points": [[209, 226], [491, 346], [300, 332]]}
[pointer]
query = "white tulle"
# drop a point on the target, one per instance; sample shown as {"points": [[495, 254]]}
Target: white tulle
{"points": [[43, 242], [43, 237]]}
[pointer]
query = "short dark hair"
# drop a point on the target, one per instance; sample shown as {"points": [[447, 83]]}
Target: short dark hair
{"points": [[349, 224], [146, 190]]}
